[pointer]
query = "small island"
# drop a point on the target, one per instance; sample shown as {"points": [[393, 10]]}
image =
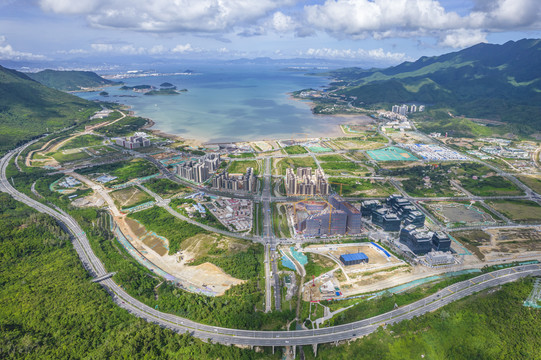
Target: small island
{"points": [[169, 91], [104, 93], [137, 87], [167, 85]]}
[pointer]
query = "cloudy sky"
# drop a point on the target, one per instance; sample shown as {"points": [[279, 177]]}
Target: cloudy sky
{"points": [[367, 31]]}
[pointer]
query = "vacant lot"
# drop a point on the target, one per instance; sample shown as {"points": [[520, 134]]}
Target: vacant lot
{"points": [[83, 141], [240, 166], [129, 197], [490, 186], [532, 182], [518, 210], [362, 187], [472, 239], [295, 149], [455, 214], [355, 144], [70, 155], [281, 165]]}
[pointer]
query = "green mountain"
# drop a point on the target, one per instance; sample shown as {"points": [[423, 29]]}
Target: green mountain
{"points": [[28, 108], [498, 82], [70, 80]]}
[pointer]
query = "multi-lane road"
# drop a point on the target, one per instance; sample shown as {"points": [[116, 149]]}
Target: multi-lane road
{"points": [[258, 338]]}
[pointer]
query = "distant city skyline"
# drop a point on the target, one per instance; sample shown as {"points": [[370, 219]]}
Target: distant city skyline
{"points": [[384, 32]]}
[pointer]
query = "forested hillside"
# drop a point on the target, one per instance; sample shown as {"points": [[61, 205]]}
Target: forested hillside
{"points": [[498, 82], [70, 80], [28, 108]]}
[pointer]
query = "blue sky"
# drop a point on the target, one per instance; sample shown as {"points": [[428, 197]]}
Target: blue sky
{"points": [[384, 32]]}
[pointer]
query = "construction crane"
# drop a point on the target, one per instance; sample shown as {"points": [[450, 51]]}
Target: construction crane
{"points": [[337, 183], [330, 212]]}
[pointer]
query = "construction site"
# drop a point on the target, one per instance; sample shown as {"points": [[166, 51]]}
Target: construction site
{"points": [[377, 264], [325, 218]]}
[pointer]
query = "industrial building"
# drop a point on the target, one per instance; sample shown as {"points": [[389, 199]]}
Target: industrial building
{"points": [[246, 182], [368, 206], [391, 222], [133, 142], [199, 171], [306, 183], [435, 258], [354, 259], [419, 242], [377, 216], [422, 242], [416, 218], [441, 241]]}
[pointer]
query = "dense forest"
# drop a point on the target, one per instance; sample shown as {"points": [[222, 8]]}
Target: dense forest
{"points": [[491, 325], [49, 309]]}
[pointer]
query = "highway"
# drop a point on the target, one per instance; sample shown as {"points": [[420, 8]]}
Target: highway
{"points": [[248, 337]]}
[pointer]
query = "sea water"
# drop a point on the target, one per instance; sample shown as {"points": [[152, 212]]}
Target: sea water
{"points": [[229, 103]]}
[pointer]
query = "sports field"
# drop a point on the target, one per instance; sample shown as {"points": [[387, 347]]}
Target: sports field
{"points": [[391, 154]]}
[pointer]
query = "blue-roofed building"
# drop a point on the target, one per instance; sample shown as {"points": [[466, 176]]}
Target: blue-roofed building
{"points": [[353, 259]]}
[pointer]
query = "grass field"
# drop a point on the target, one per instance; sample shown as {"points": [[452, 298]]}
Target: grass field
{"points": [[518, 210], [247, 155], [318, 264], [83, 141], [362, 187], [533, 183], [70, 155], [283, 164], [331, 158], [240, 166], [295, 149], [490, 186], [391, 154], [129, 197], [279, 221]]}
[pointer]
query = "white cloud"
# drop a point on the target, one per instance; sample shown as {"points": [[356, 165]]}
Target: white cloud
{"points": [[8, 53], [360, 54], [281, 22], [462, 38], [166, 15], [407, 18], [157, 49], [181, 49], [102, 47]]}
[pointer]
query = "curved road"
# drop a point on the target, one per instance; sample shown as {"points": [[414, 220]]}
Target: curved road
{"points": [[258, 338]]}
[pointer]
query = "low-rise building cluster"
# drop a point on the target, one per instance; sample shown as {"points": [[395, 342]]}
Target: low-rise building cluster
{"points": [[133, 142], [306, 182], [199, 170], [228, 182], [235, 214], [432, 152]]}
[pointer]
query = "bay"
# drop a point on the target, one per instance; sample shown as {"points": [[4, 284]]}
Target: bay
{"points": [[229, 103]]}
